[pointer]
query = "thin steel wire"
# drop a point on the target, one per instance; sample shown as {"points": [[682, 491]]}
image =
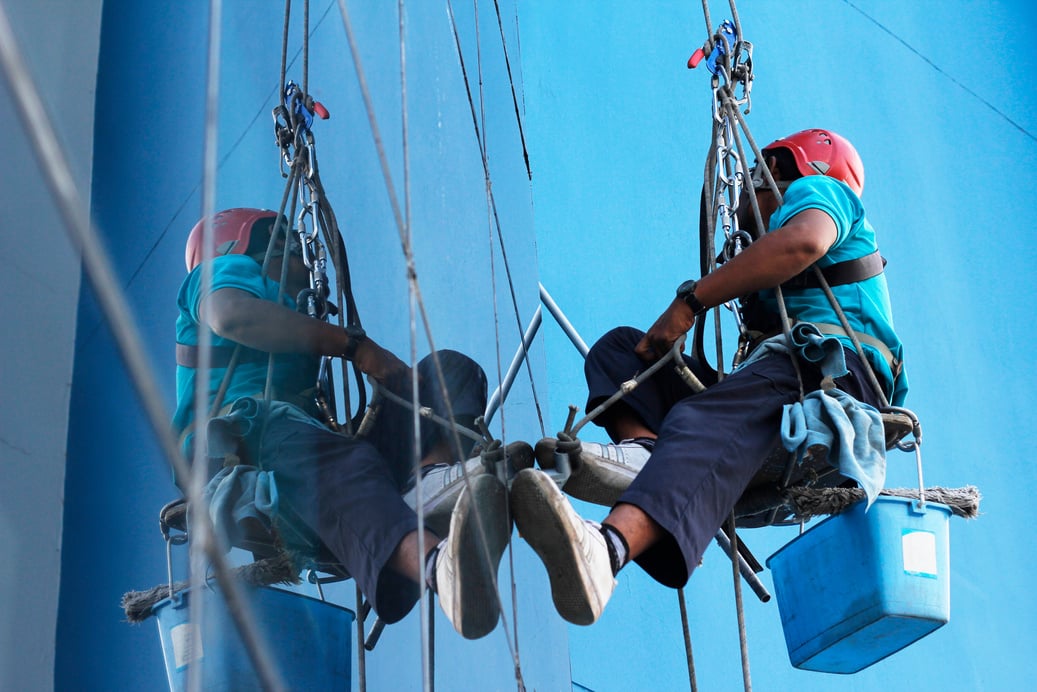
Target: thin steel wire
{"points": [[306, 46], [743, 638], [493, 207], [425, 603], [413, 279], [488, 188], [198, 479], [284, 47], [692, 683], [514, 96]]}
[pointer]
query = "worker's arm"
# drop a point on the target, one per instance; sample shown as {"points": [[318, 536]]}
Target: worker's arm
{"points": [[768, 262], [266, 326]]}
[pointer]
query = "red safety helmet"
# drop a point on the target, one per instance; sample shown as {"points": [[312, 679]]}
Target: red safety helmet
{"points": [[231, 233], [823, 152]]}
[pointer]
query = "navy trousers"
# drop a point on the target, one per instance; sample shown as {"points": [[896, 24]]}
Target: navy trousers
{"points": [[345, 492], [710, 444]]}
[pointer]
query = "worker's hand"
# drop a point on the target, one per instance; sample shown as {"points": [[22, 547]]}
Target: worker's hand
{"points": [[379, 364], [671, 325]]}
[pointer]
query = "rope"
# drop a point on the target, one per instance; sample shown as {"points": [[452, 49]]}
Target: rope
{"points": [[514, 97], [284, 45], [807, 503], [413, 279], [282, 568], [488, 189], [306, 46], [743, 640], [725, 174], [496, 217], [493, 221], [425, 604], [687, 640], [197, 565]]}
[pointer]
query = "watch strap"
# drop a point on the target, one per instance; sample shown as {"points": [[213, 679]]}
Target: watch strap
{"points": [[686, 292]]}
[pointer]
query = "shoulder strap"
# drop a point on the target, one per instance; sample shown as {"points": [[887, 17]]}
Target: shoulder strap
{"points": [[840, 273]]}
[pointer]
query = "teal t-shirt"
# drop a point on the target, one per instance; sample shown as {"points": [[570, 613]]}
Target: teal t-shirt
{"points": [[292, 374], [865, 303]]}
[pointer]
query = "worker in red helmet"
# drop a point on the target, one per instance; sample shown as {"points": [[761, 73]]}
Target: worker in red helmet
{"points": [[680, 461], [273, 463]]}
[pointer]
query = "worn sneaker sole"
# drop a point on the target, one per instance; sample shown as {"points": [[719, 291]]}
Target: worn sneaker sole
{"points": [[546, 521], [594, 479], [475, 594], [439, 508]]}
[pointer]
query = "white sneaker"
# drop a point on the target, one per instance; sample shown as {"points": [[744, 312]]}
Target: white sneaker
{"points": [[441, 485], [466, 567], [602, 471], [572, 549]]}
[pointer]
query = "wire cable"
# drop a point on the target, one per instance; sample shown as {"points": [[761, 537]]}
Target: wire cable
{"points": [[943, 72], [496, 217], [413, 277]]}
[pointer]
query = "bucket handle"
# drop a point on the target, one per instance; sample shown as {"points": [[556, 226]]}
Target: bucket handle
{"points": [[914, 445]]}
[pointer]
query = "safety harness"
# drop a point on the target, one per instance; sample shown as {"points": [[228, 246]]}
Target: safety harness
{"points": [[760, 325], [840, 273]]}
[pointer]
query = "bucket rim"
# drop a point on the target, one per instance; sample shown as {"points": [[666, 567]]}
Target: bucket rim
{"points": [[883, 499], [179, 599]]}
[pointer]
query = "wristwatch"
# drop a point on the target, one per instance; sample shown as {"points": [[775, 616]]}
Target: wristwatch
{"points": [[686, 292], [356, 335]]}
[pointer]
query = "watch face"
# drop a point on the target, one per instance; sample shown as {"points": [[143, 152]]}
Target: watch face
{"points": [[686, 287]]}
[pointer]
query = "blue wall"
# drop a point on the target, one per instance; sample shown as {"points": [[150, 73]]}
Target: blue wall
{"points": [[620, 129], [148, 172], [617, 130]]}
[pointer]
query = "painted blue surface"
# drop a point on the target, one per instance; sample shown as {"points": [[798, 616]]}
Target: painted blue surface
{"points": [[148, 171], [617, 130], [309, 637], [621, 130]]}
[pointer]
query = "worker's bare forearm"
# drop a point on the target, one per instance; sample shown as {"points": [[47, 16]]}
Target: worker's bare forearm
{"points": [[266, 326], [770, 261]]}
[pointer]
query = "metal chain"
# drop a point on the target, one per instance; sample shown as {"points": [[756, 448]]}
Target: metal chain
{"points": [[730, 62]]}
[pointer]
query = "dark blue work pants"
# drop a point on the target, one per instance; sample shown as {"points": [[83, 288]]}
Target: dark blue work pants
{"points": [[710, 444], [346, 491]]}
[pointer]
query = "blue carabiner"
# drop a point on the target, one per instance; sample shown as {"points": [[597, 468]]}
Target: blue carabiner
{"points": [[292, 92], [727, 30]]}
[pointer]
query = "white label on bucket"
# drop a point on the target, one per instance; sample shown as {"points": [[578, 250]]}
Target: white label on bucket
{"points": [[919, 553], [187, 644]]}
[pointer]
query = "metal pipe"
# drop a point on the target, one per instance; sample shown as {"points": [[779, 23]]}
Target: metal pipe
{"points": [[563, 321], [744, 569], [504, 387]]}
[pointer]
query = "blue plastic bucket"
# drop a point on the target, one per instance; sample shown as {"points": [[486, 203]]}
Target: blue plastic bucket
{"points": [[310, 641], [860, 586]]}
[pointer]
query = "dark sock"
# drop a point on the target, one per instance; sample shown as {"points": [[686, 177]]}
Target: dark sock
{"points": [[619, 551]]}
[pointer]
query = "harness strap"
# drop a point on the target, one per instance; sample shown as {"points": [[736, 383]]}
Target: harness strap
{"points": [[895, 365], [840, 273], [187, 355]]}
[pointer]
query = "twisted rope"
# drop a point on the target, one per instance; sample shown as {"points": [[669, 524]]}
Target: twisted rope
{"points": [[807, 503]]}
